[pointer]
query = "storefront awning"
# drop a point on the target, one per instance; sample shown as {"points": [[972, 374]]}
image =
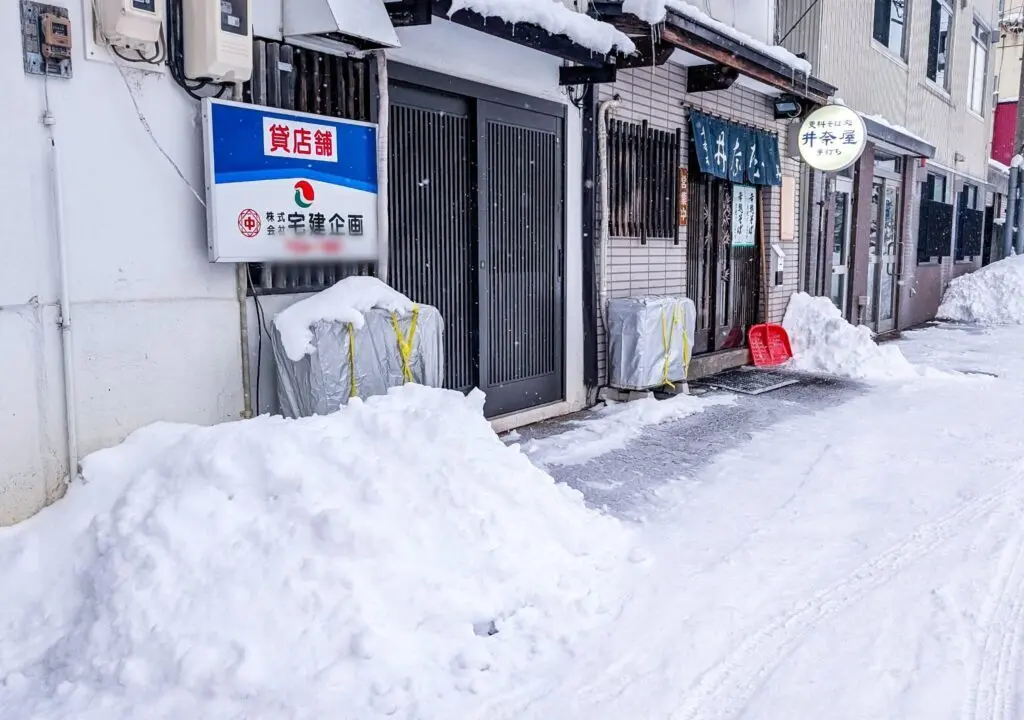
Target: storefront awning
{"points": [[734, 152], [711, 41], [896, 138]]}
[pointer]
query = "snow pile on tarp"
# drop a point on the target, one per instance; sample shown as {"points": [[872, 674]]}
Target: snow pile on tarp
{"points": [[391, 559], [346, 301], [612, 428], [655, 11], [554, 17], [824, 342], [993, 295]]}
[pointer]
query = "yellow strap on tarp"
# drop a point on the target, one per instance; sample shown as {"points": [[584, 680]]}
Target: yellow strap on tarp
{"points": [[681, 315], [666, 343], [352, 387], [405, 343]]}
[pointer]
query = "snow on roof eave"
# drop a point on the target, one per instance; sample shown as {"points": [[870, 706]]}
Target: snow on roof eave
{"points": [[773, 57], [899, 138], [553, 18]]}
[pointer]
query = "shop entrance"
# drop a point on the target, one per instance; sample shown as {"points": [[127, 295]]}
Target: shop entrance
{"points": [[476, 184], [842, 217], [722, 266], [884, 241]]}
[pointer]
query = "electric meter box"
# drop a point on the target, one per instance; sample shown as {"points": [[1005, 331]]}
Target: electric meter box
{"points": [[135, 24], [218, 40]]}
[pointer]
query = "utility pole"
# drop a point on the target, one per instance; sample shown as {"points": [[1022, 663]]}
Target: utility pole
{"points": [[1018, 141]]}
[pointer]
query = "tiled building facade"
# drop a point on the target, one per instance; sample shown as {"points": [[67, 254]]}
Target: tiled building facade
{"points": [[659, 267]]}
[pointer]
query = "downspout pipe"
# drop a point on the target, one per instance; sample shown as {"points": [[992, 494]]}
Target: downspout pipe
{"points": [[1011, 212], [604, 110], [64, 299], [383, 128], [1019, 242]]}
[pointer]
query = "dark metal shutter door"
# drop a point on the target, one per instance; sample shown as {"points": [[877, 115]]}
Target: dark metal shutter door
{"points": [[432, 256], [521, 228]]}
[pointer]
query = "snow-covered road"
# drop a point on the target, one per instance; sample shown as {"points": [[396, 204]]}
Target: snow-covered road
{"points": [[863, 561], [839, 550]]}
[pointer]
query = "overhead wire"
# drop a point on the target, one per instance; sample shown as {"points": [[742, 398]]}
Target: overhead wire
{"points": [[170, 51]]}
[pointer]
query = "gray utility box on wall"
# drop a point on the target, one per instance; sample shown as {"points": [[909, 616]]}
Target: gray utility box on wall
{"points": [[650, 341]]}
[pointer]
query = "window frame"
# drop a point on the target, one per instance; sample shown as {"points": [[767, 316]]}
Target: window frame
{"points": [[981, 36], [930, 182], [885, 44], [947, 7]]}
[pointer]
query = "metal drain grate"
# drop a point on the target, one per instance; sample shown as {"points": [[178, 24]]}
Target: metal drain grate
{"points": [[749, 382]]}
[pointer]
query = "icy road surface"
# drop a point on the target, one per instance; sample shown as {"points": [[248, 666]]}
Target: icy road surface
{"points": [[862, 557]]}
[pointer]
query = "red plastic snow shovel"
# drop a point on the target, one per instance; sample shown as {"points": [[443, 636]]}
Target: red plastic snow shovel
{"points": [[769, 342]]}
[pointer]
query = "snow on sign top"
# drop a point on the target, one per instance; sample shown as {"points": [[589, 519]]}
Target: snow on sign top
{"points": [[554, 17], [344, 302], [654, 11]]}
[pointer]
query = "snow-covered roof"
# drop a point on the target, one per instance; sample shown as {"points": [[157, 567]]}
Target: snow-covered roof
{"points": [[655, 11], [996, 165], [880, 120], [556, 18]]}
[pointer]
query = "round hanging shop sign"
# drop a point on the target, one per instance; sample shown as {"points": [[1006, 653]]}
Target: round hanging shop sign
{"points": [[832, 138]]}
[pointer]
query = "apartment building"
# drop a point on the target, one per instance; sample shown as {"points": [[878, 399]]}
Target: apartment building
{"points": [[922, 204], [1008, 51]]}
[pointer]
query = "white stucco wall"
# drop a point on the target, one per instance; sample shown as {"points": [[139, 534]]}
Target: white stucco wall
{"points": [[155, 326]]}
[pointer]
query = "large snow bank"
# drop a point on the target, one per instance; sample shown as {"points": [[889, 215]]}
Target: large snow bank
{"points": [[823, 342], [612, 428], [655, 11], [993, 295], [347, 566], [345, 302], [554, 17]]}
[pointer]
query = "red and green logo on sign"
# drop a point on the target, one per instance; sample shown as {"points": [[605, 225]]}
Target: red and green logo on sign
{"points": [[304, 195]]}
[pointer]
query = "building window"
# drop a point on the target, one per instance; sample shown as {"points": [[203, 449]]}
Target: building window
{"points": [[939, 43], [978, 69], [969, 196], [934, 188], [890, 25], [643, 169]]}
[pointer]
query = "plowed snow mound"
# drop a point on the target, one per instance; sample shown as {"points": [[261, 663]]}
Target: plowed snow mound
{"points": [[391, 559], [993, 295], [824, 342]]}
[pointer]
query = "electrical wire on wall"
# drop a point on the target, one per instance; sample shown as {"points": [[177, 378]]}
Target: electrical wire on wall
{"points": [[261, 321]]}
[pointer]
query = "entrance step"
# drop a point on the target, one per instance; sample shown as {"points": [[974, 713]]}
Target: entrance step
{"points": [[713, 363]]}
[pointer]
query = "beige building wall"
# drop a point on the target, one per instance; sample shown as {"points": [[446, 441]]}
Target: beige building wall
{"points": [[1008, 52], [837, 37]]}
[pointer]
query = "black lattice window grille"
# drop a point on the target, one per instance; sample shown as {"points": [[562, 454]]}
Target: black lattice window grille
{"points": [[970, 227], [935, 231], [643, 181]]}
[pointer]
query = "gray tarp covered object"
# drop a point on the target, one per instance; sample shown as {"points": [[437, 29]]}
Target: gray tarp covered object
{"points": [[650, 341], [321, 382]]}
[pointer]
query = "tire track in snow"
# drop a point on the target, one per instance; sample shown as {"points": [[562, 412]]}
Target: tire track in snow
{"points": [[993, 690], [726, 689]]}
